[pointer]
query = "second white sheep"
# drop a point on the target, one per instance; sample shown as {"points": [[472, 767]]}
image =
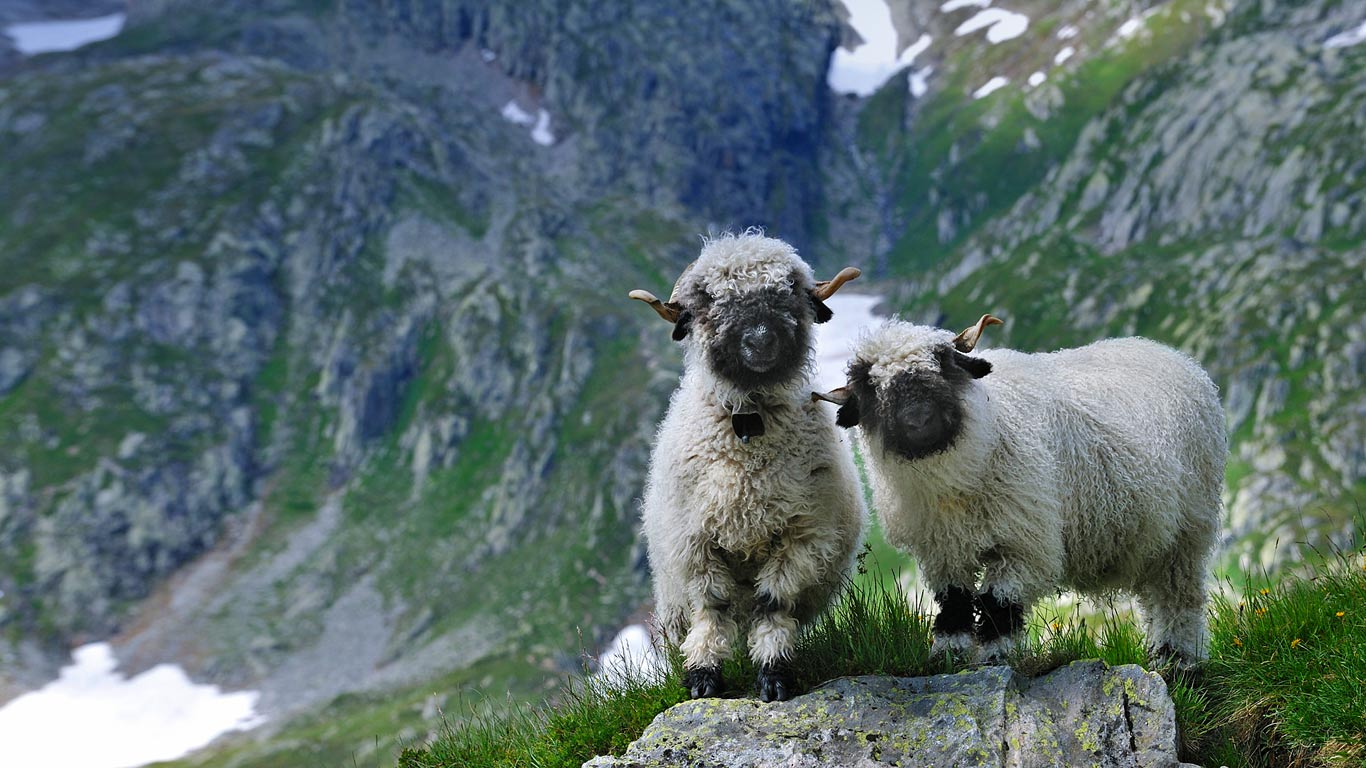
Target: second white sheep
{"points": [[1010, 476]]}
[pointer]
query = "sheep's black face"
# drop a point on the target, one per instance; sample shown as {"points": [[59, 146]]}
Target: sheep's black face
{"points": [[917, 412], [759, 338]]}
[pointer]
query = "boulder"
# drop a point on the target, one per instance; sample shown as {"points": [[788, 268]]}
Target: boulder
{"points": [[1084, 714]]}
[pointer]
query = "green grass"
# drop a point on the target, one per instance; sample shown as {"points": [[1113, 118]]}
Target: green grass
{"points": [[1282, 685], [592, 718], [1287, 663]]}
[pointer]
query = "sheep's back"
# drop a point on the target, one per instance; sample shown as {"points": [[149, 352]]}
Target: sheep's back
{"points": [[1134, 434]]}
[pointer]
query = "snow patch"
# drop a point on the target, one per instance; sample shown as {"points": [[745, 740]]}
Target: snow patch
{"points": [[1068, 32], [1350, 37], [1216, 13], [513, 113], [541, 133], [852, 315], [631, 656], [124, 722], [1036, 79], [1000, 24], [34, 37], [953, 5], [868, 67], [1133, 26], [539, 123], [993, 85], [1064, 55], [919, 81]]}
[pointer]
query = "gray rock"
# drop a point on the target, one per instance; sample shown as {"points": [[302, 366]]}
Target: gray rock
{"points": [[1086, 713]]}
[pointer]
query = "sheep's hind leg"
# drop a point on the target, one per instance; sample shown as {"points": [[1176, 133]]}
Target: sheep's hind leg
{"points": [[1174, 609], [953, 624]]}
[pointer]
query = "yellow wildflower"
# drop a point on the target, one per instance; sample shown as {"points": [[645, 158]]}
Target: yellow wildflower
{"points": [[1265, 591], [1056, 626], [1238, 642], [1340, 614], [1260, 611], [1295, 643]]}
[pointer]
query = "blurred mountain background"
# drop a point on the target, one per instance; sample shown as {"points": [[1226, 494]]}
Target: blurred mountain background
{"points": [[317, 375]]}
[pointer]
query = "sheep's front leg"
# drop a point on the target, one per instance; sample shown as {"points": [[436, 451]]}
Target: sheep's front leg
{"points": [[799, 563], [1000, 623], [771, 640], [1010, 586], [712, 588], [953, 624]]}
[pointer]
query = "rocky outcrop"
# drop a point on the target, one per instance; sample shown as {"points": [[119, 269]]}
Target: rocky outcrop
{"points": [[631, 89], [1086, 713]]}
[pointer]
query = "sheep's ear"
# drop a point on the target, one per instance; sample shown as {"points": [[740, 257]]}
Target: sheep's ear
{"points": [[975, 366], [823, 312], [848, 415], [682, 325]]}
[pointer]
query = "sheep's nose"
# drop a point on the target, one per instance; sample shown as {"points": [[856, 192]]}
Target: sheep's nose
{"points": [[916, 416], [759, 347]]}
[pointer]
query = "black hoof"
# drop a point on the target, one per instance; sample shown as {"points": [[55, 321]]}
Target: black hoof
{"points": [[703, 683], [775, 683]]}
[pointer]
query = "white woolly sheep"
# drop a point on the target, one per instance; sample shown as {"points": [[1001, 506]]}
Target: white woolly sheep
{"points": [[1096, 468], [752, 509]]}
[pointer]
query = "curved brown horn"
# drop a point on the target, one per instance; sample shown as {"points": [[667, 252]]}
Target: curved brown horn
{"points": [[837, 396], [666, 311], [826, 288], [967, 340]]}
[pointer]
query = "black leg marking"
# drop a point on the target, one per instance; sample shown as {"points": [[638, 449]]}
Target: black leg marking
{"points": [[955, 612], [765, 603], [703, 683], [775, 682], [1000, 618]]}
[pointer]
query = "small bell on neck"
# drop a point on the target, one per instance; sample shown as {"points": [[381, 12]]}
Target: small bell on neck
{"points": [[747, 425]]}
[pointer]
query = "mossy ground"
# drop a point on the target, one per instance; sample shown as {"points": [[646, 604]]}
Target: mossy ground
{"points": [[1281, 687]]}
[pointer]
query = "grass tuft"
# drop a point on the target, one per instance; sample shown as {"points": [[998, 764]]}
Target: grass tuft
{"points": [[592, 717], [1283, 686]]}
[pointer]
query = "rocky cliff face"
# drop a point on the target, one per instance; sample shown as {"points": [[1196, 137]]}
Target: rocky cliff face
{"points": [[295, 292]]}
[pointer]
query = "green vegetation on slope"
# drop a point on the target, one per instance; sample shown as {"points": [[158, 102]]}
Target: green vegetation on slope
{"points": [[959, 161]]}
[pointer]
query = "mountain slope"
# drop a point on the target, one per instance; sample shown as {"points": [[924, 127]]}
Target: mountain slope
{"points": [[316, 372], [353, 333], [1196, 181]]}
